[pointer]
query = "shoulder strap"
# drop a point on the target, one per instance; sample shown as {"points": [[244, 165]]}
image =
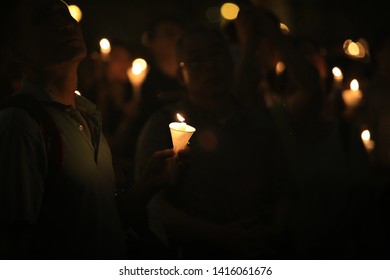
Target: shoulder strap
{"points": [[49, 130]]}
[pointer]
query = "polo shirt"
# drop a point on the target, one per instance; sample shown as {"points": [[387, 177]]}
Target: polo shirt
{"points": [[80, 215]]}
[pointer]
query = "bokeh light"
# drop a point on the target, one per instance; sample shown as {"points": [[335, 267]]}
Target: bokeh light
{"points": [[139, 65], [229, 11], [75, 12]]}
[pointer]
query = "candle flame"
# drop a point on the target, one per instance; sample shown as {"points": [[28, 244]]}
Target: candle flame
{"points": [[354, 85], [75, 12], [337, 72], [366, 136], [284, 28], [139, 65], [105, 46], [180, 118]]}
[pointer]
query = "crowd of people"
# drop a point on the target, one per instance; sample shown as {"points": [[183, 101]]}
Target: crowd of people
{"points": [[274, 170]]}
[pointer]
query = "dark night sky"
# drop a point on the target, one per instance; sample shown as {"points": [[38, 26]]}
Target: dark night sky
{"points": [[327, 21]]}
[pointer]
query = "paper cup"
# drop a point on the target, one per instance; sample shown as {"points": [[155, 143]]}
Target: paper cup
{"points": [[181, 134]]}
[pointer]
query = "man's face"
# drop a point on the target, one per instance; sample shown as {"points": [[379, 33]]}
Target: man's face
{"points": [[47, 35], [207, 65]]}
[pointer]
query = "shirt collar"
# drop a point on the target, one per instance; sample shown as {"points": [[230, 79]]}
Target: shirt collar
{"points": [[39, 93]]}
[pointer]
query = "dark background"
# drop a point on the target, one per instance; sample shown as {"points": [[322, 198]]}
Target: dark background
{"points": [[329, 22]]}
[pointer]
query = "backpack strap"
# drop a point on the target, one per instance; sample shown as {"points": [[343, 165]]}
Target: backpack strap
{"points": [[48, 129]]}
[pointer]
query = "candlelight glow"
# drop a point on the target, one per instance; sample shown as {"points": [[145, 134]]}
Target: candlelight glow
{"points": [[280, 67], [77, 92], [354, 85], [284, 28], [229, 11], [180, 133], [105, 46], [369, 144], [353, 49], [337, 72], [366, 136], [75, 12], [357, 49], [180, 118], [139, 65]]}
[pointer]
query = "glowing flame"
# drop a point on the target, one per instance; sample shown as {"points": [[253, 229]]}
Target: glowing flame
{"points": [[180, 118], [366, 136], [105, 46], [77, 92], [354, 85], [229, 11], [280, 67], [139, 65], [353, 49], [337, 72], [75, 12], [357, 50], [284, 28]]}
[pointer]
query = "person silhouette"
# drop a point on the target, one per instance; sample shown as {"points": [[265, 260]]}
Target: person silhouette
{"points": [[74, 215], [228, 203]]}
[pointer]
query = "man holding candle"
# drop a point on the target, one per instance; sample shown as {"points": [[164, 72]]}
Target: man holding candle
{"points": [[226, 204], [74, 215]]}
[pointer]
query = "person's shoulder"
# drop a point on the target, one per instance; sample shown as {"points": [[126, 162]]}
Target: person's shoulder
{"points": [[17, 119]]}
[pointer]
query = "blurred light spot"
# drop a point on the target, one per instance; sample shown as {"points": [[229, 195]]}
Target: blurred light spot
{"points": [[139, 65], [213, 14], [105, 46], [75, 12], [280, 67], [355, 49], [354, 84], [366, 135], [77, 92], [338, 75], [284, 28], [229, 11]]}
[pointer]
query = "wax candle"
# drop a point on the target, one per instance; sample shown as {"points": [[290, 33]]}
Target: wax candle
{"points": [[352, 96], [337, 77], [366, 138], [105, 49], [137, 74], [180, 133]]}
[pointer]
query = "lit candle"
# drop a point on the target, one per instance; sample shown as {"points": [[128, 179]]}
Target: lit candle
{"points": [[337, 77], [137, 74], [366, 138], [105, 48], [352, 96], [180, 133]]}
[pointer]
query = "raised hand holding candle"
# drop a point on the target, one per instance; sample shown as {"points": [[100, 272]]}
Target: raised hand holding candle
{"points": [[180, 133]]}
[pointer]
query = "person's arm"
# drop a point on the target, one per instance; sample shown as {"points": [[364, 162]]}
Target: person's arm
{"points": [[22, 171]]}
